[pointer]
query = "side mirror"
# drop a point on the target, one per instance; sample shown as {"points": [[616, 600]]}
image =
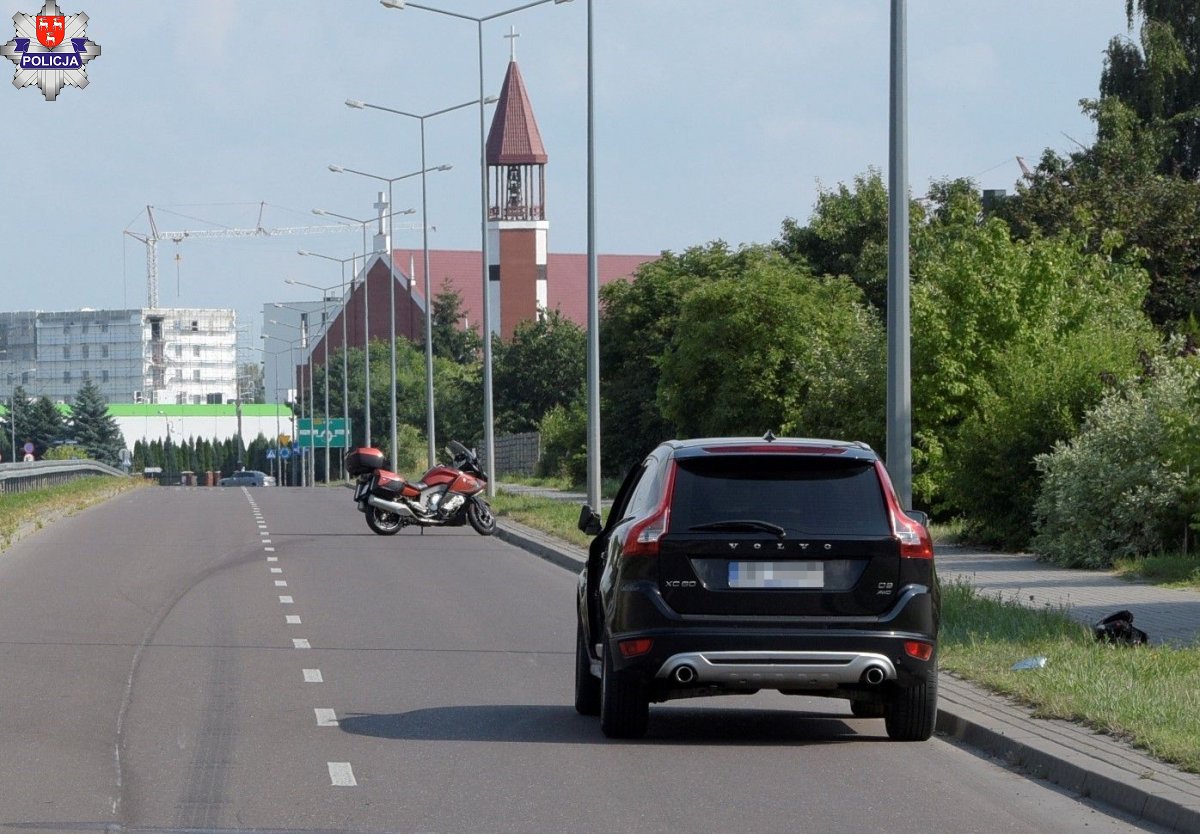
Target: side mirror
{"points": [[919, 516], [589, 521]]}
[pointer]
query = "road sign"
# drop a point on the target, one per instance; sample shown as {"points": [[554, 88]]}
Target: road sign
{"points": [[28, 447], [270, 454], [285, 440], [319, 433], [285, 453]]}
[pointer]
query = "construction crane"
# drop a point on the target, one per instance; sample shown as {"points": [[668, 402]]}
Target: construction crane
{"points": [[152, 238]]}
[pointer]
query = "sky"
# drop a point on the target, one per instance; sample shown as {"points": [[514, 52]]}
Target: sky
{"points": [[714, 119]]}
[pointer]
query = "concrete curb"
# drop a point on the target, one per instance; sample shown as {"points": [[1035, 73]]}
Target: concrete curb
{"points": [[1089, 764]]}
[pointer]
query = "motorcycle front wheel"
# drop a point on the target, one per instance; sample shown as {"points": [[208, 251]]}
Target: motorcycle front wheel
{"points": [[481, 516], [382, 522]]}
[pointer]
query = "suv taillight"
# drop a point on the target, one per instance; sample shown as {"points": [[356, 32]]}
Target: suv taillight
{"points": [[915, 542], [642, 538]]}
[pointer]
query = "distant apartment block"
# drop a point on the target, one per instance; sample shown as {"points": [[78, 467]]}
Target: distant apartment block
{"points": [[180, 356]]}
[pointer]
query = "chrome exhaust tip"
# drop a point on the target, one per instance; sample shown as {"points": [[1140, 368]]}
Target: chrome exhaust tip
{"points": [[874, 675], [684, 674]]}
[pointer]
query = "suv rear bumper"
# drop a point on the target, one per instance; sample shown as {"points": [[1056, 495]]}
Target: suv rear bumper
{"points": [[778, 669]]}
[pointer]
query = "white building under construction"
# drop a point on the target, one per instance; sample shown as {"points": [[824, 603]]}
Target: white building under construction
{"points": [[180, 356]]}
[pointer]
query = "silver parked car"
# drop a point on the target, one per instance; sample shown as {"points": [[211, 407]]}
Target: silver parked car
{"points": [[247, 477]]}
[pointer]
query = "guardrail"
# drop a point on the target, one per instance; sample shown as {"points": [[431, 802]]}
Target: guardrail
{"points": [[22, 477]]}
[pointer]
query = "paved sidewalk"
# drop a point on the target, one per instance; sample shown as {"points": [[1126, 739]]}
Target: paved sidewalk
{"points": [[1090, 764]]}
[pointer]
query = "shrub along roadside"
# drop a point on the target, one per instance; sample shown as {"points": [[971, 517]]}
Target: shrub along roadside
{"points": [[1143, 695], [37, 506]]}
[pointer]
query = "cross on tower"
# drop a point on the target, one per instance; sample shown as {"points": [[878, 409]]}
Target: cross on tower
{"points": [[512, 42]]}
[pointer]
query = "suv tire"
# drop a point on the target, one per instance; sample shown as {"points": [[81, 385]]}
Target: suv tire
{"points": [[911, 713], [624, 705], [587, 687]]}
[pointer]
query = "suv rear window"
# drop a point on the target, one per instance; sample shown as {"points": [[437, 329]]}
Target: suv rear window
{"points": [[814, 495]]}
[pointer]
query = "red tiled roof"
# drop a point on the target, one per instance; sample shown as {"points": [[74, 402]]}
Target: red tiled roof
{"points": [[566, 278], [514, 138]]}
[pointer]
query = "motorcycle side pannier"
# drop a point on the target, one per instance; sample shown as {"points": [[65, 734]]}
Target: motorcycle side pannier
{"points": [[362, 460]]}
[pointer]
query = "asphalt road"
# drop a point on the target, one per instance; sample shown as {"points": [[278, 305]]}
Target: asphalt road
{"points": [[192, 660]]}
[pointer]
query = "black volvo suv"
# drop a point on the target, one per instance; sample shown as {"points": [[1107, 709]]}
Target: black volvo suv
{"points": [[731, 565]]}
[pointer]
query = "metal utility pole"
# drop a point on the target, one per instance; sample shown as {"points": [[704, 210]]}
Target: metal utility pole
{"points": [[899, 377]]}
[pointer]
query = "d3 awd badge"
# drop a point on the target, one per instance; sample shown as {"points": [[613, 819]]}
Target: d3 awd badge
{"points": [[51, 50]]}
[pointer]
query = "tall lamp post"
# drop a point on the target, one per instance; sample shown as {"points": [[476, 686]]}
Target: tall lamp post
{"points": [[338, 169], [312, 388], [306, 355], [278, 431], [488, 428], [300, 380], [429, 413], [366, 309], [325, 361], [345, 343]]}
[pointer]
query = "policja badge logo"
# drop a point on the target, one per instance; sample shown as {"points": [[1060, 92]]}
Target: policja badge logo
{"points": [[50, 49]]}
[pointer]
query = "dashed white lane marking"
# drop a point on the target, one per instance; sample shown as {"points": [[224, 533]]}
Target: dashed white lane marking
{"points": [[341, 775], [286, 600], [300, 643], [269, 550], [326, 717], [265, 534], [262, 525], [267, 541], [292, 619], [272, 558], [276, 570], [313, 676], [280, 583]]}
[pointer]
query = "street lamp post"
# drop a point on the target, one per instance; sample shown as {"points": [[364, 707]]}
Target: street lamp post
{"points": [[345, 343], [366, 310], [488, 428], [300, 380], [338, 169], [430, 430]]}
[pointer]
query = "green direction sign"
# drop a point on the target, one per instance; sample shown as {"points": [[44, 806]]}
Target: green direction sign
{"points": [[318, 433]]}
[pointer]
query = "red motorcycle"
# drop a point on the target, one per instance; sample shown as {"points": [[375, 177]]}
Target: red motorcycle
{"points": [[446, 496]]}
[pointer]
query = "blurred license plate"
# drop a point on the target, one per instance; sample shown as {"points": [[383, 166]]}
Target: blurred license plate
{"points": [[776, 575]]}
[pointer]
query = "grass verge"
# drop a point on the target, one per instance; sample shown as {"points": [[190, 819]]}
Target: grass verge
{"points": [[19, 509], [1146, 696], [557, 518], [1170, 571]]}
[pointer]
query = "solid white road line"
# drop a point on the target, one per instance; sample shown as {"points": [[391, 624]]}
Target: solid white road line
{"points": [[292, 619], [341, 775], [326, 717], [313, 676], [300, 643]]}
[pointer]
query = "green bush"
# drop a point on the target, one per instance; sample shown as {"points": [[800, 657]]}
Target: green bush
{"points": [[564, 442], [1123, 487], [1038, 397]]}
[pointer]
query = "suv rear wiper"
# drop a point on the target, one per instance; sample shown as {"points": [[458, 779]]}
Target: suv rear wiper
{"points": [[742, 524]]}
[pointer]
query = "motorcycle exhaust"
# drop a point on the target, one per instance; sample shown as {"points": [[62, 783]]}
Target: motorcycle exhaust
{"points": [[390, 506]]}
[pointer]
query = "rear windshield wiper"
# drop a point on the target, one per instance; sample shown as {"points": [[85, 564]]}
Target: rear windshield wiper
{"points": [[742, 524]]}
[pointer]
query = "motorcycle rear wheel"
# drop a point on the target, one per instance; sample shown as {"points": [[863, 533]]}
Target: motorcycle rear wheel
{"points": [[382, 522], [481, 517]]}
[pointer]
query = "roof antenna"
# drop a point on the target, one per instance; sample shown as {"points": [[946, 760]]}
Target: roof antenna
{"points": [[769, 436]]}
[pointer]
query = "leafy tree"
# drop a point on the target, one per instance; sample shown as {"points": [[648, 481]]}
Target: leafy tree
{"points": [[847, 234], [46, 426], [19, 409], [638, 321], [775, 348], [93, 427], [1159, 77], [450, 339], [541, 366], [1114, 200], [982, 294]]}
